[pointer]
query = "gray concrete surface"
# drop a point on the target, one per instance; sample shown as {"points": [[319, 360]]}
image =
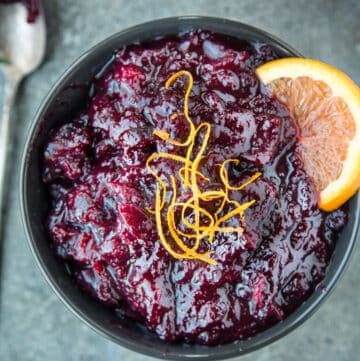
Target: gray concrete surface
{"points": [[34, 325]]}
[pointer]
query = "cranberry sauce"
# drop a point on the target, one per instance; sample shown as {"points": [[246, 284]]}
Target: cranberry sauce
{"points": [[32, 6], [101, 190]]}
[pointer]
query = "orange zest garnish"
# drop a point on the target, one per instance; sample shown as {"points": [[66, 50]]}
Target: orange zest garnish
{"points": [[203, 224]]}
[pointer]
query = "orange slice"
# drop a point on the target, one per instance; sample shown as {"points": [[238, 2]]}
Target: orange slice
{"points": [[325, 103]]}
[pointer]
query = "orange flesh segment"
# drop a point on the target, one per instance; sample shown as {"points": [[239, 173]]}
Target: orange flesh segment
{"points": [[326, 125]]}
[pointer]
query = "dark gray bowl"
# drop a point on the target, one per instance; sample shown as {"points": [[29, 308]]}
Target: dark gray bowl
{"points": [[62, 102]]}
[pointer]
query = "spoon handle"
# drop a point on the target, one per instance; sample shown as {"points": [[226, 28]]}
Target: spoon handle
{"points": [[11, 80]]}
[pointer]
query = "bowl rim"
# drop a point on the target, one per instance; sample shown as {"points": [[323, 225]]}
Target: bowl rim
{"points": [[207, 353]]}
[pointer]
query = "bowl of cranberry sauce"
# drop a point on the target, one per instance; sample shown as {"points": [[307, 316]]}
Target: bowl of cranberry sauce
{"points": [[164, 200]]}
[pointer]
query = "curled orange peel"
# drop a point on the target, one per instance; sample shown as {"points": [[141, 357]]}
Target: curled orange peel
{"points": [[198, 223]]}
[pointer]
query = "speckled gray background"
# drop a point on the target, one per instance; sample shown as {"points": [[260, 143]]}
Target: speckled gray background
{"points": [[34, 325]]}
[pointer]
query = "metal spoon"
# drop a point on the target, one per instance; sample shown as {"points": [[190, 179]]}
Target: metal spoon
{"points": [[22, 48]]}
